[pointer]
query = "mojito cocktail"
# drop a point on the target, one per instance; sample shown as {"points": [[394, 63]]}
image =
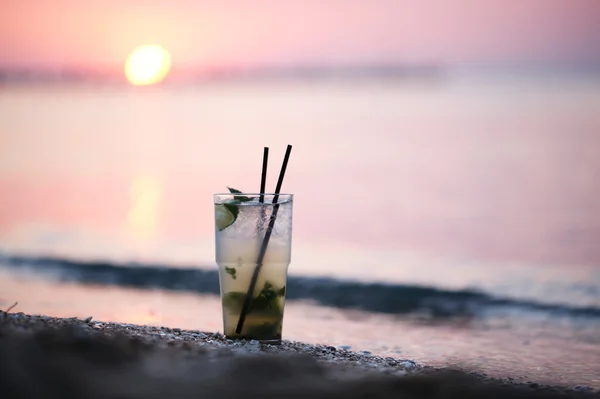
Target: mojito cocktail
{"points": [[241, 223]]}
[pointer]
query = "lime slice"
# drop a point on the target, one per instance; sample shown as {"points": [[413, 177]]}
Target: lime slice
{"points": [[224, 217]]}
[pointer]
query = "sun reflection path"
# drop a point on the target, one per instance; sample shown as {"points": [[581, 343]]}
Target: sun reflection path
{"points": [[144, 212]]}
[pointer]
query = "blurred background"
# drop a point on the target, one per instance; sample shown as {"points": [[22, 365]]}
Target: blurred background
{"points": [[444, 144]]}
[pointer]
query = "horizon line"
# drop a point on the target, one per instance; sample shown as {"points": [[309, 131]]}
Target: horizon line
{"points": [[429, 71]]}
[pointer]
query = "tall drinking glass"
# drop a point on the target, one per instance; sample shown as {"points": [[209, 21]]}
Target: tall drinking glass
{"points": [[249, 227]]}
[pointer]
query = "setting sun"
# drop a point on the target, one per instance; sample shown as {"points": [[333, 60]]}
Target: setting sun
{"points": [[147, 65]]}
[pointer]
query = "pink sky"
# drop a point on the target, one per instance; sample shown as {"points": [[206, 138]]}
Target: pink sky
{"points": [[96, 33]]}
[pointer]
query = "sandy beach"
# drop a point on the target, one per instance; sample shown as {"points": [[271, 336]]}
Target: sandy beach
{"points": [[50, 357]]}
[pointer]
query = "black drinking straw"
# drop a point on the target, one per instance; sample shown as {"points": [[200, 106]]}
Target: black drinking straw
{"points": [[265, 243], [263, 176]]}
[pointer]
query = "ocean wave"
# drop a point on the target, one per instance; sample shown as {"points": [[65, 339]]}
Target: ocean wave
{"points": [[396, 299]]}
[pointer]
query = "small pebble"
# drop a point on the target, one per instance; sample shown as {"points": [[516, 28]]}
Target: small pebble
{"points": [[87, 319], [408, 364], [345, 347]]}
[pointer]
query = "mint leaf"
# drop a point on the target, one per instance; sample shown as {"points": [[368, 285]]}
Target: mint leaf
{"points": [[234, 301], [231, 271], [266, 330], [233, 190], [265, 304], [241, 198]]}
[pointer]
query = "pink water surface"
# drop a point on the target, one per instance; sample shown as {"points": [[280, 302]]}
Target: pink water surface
{"points": [[489, 183], [491, 170]]}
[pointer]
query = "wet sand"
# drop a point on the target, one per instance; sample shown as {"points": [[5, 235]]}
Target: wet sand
{"points": [[42, 356], [544, 352]]}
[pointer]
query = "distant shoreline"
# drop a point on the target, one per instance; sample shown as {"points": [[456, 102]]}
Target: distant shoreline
{"points": [[421, 72], [82, 75]]}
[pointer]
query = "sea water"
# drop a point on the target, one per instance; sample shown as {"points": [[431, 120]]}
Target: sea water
{"points": [[473, 199]]}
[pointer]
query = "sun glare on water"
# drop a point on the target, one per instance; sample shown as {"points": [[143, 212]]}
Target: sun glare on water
{"points": [[147, 65]]}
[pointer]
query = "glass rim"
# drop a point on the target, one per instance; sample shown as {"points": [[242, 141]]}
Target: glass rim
{"points": [[255, 194]]}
